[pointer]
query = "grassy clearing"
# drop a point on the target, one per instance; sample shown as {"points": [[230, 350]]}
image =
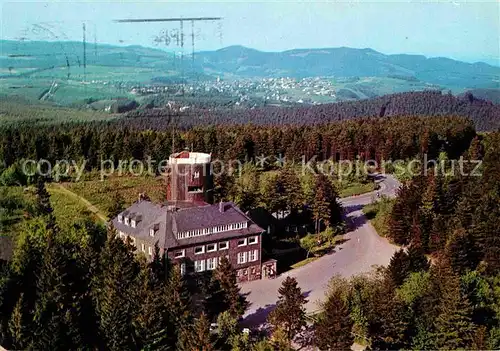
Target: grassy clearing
{"points": [[68, 209], [100, 193], [352, 189], [378, 213]]}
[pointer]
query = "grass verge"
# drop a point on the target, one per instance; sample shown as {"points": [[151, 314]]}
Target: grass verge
{"points": [[304, 262], [357, 189], [378, 213]]}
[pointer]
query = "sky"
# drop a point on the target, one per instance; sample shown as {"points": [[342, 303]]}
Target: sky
{"points": [[459, 29]]}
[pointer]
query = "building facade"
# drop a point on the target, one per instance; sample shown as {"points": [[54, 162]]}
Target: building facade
{"points": [[192, 231], [195, 237], [191, 178]]}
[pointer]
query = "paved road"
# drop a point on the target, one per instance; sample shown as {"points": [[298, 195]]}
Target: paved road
{"points": [[363, 250]]}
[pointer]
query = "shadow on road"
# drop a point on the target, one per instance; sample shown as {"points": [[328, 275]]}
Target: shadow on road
{"points": [[259, 317], [357, 222]]}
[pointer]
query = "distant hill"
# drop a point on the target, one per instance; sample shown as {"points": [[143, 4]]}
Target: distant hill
{"points": [[388, 73], [347, 62]]}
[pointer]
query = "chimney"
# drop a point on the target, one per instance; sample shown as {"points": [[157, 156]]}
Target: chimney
{"points": [[221, 207]]}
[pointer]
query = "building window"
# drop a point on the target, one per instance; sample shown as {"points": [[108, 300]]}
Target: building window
{"points": [[126, 220], [242, 257], [245, 224], [224, 245], [143, 248], [245, 272], [150, 250], [196, 175], [132, 223], [199, 250], [179, 254], [152, 232], [120, 218], [253, 240], [199, 266], [211, 248], [183, 268], [211, 263], [242, 242], [253, 256]]}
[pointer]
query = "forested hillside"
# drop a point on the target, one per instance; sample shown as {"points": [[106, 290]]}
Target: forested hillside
{"points": [[382, 138], [486, 116]]}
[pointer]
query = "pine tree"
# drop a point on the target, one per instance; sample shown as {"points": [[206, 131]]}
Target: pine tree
{"points": [[225, 277], [461, 252], [42, 198], [333, 328], [293, 189], [57, 310], [196, 337], [178, 301], [325, 206], [398, 226], [152, 320], [289, 314], [399, 267], [116, 301], [43, 206], [454, 328], [416, 259]]}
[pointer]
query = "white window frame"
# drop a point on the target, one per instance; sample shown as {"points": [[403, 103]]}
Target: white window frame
{"points": [[244, 242], [133, 223], [143, 247], [150, 251], [211, 263], [202, 250], [242, 257], [226, 244], [120, 218], [196, 175], [126, 221], [152, 232], [255, 240], [214, 249], [199, 266], [182, 254], [253, 255]]}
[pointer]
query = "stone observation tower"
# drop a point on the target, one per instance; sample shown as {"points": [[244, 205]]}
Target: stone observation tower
{"points": [[191, 179]]}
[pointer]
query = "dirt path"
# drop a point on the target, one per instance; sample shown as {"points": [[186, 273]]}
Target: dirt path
{"points": [[60, 189]]}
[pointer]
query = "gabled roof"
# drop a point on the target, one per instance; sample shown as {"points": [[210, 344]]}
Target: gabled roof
{"points": [[169, 221]]}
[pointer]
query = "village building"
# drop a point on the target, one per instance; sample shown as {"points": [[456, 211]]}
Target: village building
{"points": [[192, 231]]}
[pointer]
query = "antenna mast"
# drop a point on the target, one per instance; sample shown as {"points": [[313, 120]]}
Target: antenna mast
{"points": [[84, 54]]}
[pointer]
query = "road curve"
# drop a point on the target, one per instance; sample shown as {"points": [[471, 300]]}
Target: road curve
{"points": [[362, 250]]}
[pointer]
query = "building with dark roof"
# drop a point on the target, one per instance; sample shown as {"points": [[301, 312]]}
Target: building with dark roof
{"points": [[193, 233], [195, 237]]}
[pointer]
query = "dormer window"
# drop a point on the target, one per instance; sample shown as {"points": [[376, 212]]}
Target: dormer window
{"points": [[120, 218], [127, 221], [154, 229], [133, 223]]}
